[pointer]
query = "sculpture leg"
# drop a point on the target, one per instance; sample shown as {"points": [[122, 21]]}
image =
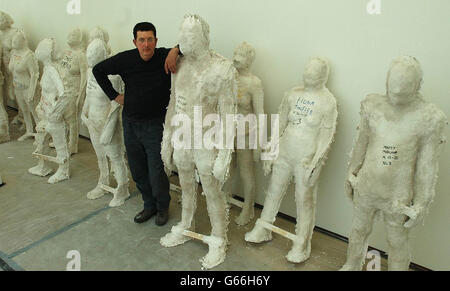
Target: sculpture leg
{"points": [[42, 140], [100, 152], [4, 121], [119, 168], [218, 214], [23, 107], [398, 240], [305, 198], [279, 182], [186, 173], [58, 133], [247, 175], [359, 237], [227, 187], [70, 116]]}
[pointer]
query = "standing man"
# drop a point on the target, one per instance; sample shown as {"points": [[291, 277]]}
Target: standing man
{"points": [[145, 72]]}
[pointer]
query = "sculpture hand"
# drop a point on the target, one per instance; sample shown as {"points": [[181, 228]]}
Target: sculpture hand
{"points": [[415, 214], [350, 185], [219, 169], [120, 99], [311, 176], [267, 167]]}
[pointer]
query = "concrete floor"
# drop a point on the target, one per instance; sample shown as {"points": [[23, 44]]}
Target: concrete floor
{"points": [[40, 223]]}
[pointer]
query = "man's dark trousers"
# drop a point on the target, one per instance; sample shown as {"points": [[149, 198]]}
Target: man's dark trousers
{"points": [[143, 144]]}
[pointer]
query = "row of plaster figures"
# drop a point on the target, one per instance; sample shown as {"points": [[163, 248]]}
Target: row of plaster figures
{"points": [[21, 74], [393, 166]]}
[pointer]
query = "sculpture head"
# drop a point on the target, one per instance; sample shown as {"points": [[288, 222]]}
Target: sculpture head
{"points": [[74, 38], [46, 50], [5, 21], [243, 57], [316, 73], [96, 52], [404, 80], [194, 36], [100, 33], [19, 40]]}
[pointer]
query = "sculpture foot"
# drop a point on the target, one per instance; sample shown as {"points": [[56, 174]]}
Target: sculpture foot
{"points": [[258, 235], [349, 267], [245, 217], [119, 198], [17, 120], [298, 254], [96, 193], [4, 138], [40, 171], [52, 145], [74, 150], [174, 238], [59, 176], [216, 254], [26, 136]]}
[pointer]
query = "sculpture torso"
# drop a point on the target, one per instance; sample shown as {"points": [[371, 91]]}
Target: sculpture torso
{"points": [[19, 68], [70, 71], [394, 141], [306, 111], [99, 103], [49, 87], [200, 84], [6, 37]]}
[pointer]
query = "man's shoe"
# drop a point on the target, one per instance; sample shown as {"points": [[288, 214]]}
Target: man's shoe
{"points": [[162, 217], [144, 215]]}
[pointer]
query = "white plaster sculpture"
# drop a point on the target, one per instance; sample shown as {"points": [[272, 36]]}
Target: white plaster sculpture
{"points": [[308, 117], [7, 33], [250, 100], [24, 68], [4, 121], [99, 32], [102, 118], [394, 164], [74, 70], [207, 80], [50, 110]]}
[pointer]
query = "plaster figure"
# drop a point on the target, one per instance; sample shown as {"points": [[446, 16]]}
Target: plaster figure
{"points": [[102, 117], [99, 32], [7, 33], [394, 164], [308, 117], [4, 121], [24, 68], [74, 69], [250, 100], [208, 80], [50, 110]]}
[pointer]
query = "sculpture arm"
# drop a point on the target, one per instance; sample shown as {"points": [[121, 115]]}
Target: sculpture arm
{"points": [[166, 146], [427, 168], [283, 113], [258, 109], [358, 154], [83, 79], [227, 105], [325, 138], [33, 69]]}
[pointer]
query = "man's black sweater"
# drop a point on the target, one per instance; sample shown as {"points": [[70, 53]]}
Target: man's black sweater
{"points": [[147, 86]]}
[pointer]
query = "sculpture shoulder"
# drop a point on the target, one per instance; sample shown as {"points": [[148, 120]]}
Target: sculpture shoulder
{"points": [[434, 116], [372, 102], [222, 66]]}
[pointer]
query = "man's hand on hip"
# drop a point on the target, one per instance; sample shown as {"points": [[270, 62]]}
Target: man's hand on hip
{"points": [[120, 99]]}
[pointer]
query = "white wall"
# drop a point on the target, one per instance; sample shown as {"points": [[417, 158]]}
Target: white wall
{"points": [[285, 34]]}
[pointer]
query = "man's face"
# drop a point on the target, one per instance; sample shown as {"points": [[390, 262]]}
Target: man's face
{"points": [[145, 42], [240, 59], [314, 74]]}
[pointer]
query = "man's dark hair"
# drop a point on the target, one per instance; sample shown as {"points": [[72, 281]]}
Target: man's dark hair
{"points": [[144, 26]]}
